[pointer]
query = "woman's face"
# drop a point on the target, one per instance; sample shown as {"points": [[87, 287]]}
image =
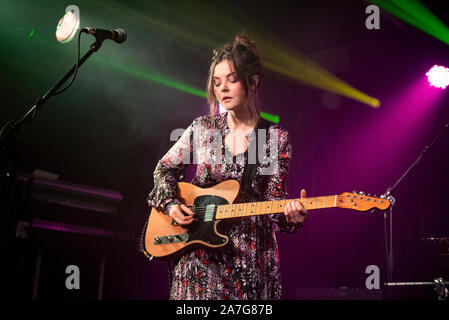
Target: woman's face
{"points": [[227, 87]]}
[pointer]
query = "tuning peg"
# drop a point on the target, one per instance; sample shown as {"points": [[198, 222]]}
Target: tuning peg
{"points": [[375, 196], [369, 195], [354, 191], [361, 193]]}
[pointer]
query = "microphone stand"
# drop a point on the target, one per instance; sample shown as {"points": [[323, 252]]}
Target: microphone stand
{"points": [[387, 195], [9, 148]]}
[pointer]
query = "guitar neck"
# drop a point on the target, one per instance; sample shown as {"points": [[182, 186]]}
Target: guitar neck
{"points": [[270, 207]]}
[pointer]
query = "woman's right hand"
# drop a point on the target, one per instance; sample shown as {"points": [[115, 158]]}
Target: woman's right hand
{"points": [[181, 214]]}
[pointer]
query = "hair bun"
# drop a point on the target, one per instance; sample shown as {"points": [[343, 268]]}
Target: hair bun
{"points": [[243, 40]]}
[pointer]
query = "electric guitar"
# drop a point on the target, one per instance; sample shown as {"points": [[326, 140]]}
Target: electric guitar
{"points": [[165, 239]]}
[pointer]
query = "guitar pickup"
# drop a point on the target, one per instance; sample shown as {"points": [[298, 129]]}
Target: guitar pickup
{"points": [[183, 237]]}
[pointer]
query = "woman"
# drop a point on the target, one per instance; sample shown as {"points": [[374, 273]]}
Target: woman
{"points": [[250, 268]]}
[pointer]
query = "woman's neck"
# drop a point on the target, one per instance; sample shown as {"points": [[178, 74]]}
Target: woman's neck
{"points": [[243, 119]]}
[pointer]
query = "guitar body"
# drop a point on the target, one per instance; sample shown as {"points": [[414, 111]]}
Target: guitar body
{"points": [[165, 240]]}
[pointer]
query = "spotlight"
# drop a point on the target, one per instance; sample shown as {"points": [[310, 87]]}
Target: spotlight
{"points": [[68, 25], [438, 77]]}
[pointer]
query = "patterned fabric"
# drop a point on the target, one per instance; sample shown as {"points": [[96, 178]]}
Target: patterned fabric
{"points": [[250, 268]]}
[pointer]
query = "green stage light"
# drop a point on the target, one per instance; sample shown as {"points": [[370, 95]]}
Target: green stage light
{"points": [[154, 77], [269, 117], [416, 14]]}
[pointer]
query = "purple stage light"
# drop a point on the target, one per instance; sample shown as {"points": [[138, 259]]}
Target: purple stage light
{"points": [[438, 76]]}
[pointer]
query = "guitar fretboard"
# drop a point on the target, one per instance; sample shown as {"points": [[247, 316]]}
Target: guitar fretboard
{"points": [[270, 207]]}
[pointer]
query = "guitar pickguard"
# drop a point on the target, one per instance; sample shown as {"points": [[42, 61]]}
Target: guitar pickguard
{"points": [[204, 230]]}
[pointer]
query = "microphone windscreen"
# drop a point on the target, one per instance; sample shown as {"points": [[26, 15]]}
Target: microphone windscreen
{"points": [[121, 35]]}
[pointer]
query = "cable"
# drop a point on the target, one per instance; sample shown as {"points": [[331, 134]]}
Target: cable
{"points": [[6, 125], [76, 68]]}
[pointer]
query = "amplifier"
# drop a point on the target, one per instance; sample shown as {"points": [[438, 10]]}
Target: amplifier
{"points": [[60, 223], [67, 202], [73, 195]]}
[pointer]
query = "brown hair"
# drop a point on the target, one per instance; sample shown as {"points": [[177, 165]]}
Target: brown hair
{"points": [[245, 57]]}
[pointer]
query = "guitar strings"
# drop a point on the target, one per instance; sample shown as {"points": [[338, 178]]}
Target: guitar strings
{"points": [[201, 211], [205, 208]]}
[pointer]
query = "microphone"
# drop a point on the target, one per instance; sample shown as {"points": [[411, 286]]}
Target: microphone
{"points": [[118, 35]]}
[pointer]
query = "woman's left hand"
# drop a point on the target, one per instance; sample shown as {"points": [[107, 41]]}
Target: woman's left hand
{"points": [[294, 211]]}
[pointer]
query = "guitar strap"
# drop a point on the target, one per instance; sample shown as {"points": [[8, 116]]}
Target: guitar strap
{"points": [[245, 185], [251, 168]]}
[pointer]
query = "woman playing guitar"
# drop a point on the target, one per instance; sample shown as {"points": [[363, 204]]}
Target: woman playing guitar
{"points": [[249, 267]]}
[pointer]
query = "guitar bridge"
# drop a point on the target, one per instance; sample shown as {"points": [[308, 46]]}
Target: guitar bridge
{"points": [[183, 237]]}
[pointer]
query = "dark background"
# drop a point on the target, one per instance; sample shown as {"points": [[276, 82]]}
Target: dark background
{"points": [[111, 127]]}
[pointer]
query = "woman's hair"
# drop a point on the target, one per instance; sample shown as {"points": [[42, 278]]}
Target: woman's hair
{"points": [[245, 57]]}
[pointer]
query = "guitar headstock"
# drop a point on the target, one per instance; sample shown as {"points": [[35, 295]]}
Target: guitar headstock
{"points": [[361, 202]]}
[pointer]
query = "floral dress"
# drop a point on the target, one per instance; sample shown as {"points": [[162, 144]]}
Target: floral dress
{"points": [[249, 269]]}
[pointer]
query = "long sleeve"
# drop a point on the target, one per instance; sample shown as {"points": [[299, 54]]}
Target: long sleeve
{"points": [[277, 182], [169, 170]]}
